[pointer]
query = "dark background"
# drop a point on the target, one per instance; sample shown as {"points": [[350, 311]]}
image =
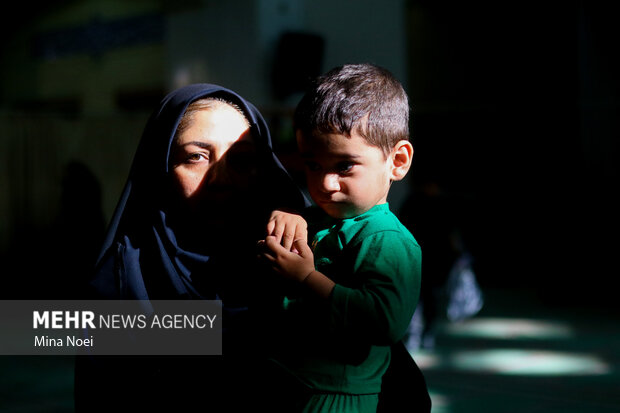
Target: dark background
{"points": [[514, 110], [523, 117], [515, 114]]}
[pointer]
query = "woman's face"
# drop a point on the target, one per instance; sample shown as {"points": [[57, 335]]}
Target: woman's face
{"points": [[214, 156]]}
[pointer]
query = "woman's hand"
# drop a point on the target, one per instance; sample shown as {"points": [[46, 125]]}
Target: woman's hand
{"points": [[286, 228]]}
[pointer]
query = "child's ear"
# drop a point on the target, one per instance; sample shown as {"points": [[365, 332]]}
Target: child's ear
{"points": [[400, 157]]}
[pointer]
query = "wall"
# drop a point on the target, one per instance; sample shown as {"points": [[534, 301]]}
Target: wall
{"points": [[79, 83]]}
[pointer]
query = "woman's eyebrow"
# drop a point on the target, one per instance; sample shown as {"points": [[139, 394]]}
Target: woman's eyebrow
{"points": [[200, 144]]}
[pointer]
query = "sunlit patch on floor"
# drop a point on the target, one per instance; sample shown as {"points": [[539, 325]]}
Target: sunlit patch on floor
{"points": [[546, 360], [426, 360], [440, 402], [529, 362], [508, 328], [515, 362]]}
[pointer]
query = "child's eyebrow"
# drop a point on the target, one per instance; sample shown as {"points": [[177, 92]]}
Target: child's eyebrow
{"points": [[348, 156], [344, 156]]}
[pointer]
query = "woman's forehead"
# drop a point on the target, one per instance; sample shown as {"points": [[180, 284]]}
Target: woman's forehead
{"points": [[220, 119]]}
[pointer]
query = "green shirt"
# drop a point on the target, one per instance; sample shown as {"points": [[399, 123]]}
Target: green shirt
{"points": [[343, 344]]}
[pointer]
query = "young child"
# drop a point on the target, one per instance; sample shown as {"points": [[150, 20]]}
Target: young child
{"points": [[356, 289]]}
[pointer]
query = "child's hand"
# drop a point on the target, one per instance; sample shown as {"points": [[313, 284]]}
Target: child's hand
{"points": [[295, 266], [286, 228]]}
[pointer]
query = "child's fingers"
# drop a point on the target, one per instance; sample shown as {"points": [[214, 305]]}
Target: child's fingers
{"points": [[266, 256], [273, 244], [301, 232], [279, 230], [294, 230], [286, 227], [302, 246], [271, 225], [287, 238], [264, 248]]}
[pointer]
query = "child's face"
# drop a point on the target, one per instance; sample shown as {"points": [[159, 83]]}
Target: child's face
{"points": [[346, 176]]}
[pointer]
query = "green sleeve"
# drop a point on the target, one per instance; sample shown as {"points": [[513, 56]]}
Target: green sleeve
{"points": [[380, 307]]}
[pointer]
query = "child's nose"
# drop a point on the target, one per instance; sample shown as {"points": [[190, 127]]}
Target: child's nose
{"points": [[330, 183]]}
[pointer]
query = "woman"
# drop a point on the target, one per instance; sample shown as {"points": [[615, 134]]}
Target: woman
{"points": [[200, 190]]}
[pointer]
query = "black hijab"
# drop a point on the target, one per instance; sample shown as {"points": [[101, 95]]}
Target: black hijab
{"points": [[145, 254]]}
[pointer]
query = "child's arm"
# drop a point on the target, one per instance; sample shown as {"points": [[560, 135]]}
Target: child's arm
{"points": [[297, 266], [377, 311]]}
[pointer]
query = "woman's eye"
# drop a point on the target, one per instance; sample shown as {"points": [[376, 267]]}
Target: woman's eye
{"points": [[197, 157]]}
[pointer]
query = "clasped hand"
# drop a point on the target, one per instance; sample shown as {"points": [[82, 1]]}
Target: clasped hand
{"points": [[286, 247]]}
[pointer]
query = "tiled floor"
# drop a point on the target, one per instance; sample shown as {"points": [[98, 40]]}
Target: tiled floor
{"points": [[515, 356], [550, 360]]}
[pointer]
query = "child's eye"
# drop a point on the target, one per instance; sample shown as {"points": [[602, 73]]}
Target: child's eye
{"points": [[345, 167], [312, 166]]}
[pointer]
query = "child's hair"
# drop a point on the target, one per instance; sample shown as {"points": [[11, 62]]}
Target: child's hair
{"points": [[363, 98]]}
